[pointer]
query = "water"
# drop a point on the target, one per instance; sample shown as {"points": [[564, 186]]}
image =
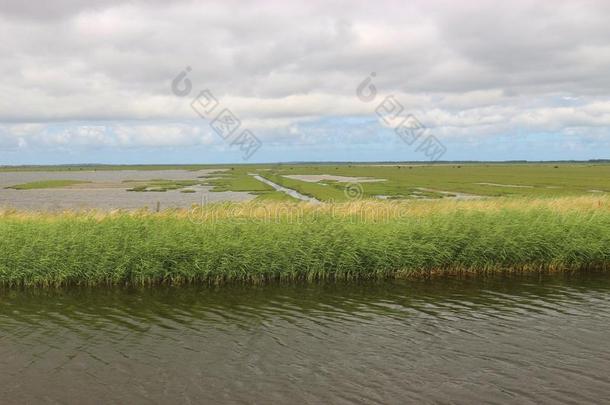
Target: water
{"points": [[107, 190], [518, 340], [289, 191]]}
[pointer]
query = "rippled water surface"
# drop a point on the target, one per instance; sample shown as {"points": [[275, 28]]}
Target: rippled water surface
{"points": [[517, 340]]}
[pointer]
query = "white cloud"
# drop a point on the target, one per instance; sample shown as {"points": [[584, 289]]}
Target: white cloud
{"points": [[60, 136], [465, 68]]}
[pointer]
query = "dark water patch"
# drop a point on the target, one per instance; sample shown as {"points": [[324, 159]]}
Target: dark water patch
{"points": [[497, 340]]}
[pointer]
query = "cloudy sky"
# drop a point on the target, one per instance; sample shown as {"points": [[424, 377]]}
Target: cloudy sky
{"points": [[91, 81]]}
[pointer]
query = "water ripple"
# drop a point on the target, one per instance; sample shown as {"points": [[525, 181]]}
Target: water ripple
{"points": [[507, 340]]}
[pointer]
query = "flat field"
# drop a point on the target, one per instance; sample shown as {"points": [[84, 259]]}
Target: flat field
{"points": [[489, 179], [411, 181]]}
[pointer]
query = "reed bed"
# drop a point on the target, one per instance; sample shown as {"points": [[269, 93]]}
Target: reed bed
{"points": [[281, 241]]}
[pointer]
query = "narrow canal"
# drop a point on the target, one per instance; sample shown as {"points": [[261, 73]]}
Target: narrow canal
{"points": [[289, 191]]}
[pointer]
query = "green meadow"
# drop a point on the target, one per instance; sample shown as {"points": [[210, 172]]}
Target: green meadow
{"points": [[395, 181], [411, 181]]}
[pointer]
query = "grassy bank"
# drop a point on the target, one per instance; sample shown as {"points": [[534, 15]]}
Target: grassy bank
{"points": [[257, 242]]}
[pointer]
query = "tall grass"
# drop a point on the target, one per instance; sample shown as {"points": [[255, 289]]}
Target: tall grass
{"points": [[328, 242]]}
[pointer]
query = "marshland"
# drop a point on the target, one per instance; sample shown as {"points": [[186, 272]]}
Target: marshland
{"points": [[304, 202], [384, 281], [520, 218]]}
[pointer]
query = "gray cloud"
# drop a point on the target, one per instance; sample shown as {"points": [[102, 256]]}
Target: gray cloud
{"points": [[483, 67]]}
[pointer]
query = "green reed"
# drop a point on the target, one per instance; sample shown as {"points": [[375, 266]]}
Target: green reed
{"points": [[54, 250]]}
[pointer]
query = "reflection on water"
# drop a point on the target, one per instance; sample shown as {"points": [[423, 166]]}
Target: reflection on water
{"points": [[498, 340]]}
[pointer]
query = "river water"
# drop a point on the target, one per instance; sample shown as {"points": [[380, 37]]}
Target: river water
{"points": [[496, 340]]}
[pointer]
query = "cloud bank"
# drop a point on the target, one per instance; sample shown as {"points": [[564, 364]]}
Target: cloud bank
{"points": [[79, 75]]}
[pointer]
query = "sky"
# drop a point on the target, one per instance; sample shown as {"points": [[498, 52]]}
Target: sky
{"points": [[116, 81]]}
